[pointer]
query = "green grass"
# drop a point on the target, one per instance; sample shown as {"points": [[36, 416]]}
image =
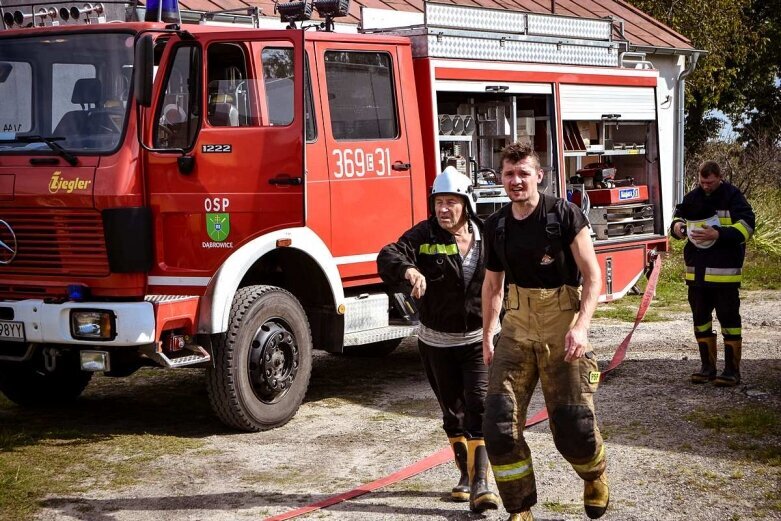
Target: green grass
{"points": [[108, 441], [753, 429], [760, 271], [767, 231], [60, 463]]}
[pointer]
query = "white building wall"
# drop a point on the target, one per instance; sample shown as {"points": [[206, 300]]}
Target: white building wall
{"points": [[669, 67]]}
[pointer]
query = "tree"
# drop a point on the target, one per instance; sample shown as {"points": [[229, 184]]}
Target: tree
{"points": [[754, 168], [739, 75]]}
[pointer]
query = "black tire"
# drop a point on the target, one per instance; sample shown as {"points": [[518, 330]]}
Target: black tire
{"points": [[373, 350], [262, 364], [29, 386]]}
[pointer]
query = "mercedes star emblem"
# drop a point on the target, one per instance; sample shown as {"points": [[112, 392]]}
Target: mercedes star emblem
{"points": [[7, 243]]}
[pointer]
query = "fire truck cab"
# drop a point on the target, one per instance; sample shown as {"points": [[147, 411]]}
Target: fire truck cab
{"points": [[216, 196]]}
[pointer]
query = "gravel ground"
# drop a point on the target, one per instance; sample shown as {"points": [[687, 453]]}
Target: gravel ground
{"points": [[366, 418]]}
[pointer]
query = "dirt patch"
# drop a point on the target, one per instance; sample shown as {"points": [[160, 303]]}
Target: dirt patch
{"points": [[676, 451]]}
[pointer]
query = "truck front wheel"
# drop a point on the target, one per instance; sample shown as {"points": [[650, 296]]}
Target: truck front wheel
{"points": [[263, 362], [30, 386]]}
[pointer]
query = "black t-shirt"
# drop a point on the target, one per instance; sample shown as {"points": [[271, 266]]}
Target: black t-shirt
{"points": [[531, 254]]}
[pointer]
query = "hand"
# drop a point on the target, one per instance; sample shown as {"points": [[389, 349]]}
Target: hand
{"points": [[488, 351], [418, 282], [575, 343], [678, 230], [706, 233]]}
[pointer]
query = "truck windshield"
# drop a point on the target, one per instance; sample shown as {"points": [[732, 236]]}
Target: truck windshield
{"points": [[68, 89]]}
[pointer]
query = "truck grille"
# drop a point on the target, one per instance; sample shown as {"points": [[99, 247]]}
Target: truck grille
{"points": [[55, 242]]}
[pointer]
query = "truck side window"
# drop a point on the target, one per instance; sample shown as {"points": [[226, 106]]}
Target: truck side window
{"points": [[278, 82], [361, 95], [178, 113], [278, 79], [230, 104]]}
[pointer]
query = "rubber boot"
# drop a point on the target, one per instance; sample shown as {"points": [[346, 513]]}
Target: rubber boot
{"points": [[708, 357], [526, 515], [480, 496], [461, 491], [730, 377], [596, 496]]}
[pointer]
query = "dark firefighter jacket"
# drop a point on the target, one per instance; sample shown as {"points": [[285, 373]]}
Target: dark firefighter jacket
{"points": [[446, 305], [721, 264]]}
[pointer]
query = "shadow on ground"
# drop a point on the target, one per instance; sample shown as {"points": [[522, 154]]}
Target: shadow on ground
{"points": [[175, 402], [103, 510]]}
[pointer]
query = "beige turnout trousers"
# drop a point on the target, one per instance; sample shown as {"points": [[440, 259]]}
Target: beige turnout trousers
{"points": [[531, 348]]}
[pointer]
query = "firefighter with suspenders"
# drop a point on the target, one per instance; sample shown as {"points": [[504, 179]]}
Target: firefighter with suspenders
{"points": [[541, 245], [717, 220]]}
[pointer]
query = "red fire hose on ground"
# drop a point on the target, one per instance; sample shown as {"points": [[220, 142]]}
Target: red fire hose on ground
{"points": [[446, 454]]}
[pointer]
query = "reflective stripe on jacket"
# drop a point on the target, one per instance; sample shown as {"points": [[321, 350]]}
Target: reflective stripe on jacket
{"points": [[722, 263], [447, 305]]}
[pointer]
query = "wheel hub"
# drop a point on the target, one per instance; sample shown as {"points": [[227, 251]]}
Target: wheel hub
{"points": [[273, 361]]}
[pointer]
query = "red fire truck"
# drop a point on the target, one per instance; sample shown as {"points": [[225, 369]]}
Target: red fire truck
{"points": [[199, 195]]}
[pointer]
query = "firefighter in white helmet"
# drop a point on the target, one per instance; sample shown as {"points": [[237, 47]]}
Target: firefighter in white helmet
{"points": [[443, 260]]}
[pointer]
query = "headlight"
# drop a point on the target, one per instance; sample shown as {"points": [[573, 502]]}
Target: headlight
{"points": [[93, 324]]}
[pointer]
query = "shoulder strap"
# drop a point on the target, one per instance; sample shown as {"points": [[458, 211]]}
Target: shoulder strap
{"points": [[554, 234], [501, 241]]}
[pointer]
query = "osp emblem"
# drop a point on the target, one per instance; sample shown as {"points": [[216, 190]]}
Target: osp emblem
{"points": [[218, 226], [8, 244]]}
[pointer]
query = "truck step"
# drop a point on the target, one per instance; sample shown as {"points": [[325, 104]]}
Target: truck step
{"points": [[199, 355], [379, 334]]}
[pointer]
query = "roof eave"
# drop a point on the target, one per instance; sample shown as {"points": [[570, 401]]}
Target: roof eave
{"points": [[652, 49]]}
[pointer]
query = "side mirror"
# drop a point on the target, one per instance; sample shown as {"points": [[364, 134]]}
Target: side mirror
{"points": [[144, 62]]}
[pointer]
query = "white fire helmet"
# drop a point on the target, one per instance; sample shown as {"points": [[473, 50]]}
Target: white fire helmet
{"points": [[451, 181]]}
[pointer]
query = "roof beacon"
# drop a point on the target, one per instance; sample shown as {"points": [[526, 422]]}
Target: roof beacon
{"points": [[163, 11]]}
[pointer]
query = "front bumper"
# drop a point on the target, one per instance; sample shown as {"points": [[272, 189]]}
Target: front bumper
{"points": [[50, 323]]}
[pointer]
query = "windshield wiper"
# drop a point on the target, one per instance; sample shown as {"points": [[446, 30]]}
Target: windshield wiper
{"points": [[50, 141]]}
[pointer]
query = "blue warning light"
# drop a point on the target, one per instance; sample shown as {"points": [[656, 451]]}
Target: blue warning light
{"points": [[162, 11]]}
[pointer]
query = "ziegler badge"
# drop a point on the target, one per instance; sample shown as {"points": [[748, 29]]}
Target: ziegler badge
{"points": [[58, 183], [218, 227]]}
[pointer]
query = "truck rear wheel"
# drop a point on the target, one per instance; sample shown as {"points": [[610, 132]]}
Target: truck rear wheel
{"points": [[29, 386], [262, 364]]}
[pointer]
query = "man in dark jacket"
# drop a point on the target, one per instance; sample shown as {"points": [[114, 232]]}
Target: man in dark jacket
{"points": [[717, 220], [443, 260]]}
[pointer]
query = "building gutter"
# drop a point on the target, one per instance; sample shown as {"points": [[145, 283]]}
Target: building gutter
{"points": [[680, 105]]}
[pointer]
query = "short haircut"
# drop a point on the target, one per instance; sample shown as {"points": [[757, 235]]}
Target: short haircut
{"points": [[709, 168], [518, 151]]}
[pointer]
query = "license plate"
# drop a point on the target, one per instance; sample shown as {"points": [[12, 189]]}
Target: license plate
{"points": [[11, 331]]}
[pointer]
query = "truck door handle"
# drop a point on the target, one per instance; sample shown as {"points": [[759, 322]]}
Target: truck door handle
{"points": [[285, 181], [400, 166]]}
